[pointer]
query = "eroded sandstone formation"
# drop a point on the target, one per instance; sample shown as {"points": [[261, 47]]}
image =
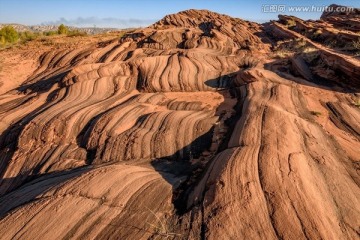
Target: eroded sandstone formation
{"points": [[193, 128]]}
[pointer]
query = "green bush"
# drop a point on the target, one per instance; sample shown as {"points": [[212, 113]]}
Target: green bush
{"points": [[8, 35], [62, 29], [76, 33], [29, 36], [50, 33], [2, 40]]}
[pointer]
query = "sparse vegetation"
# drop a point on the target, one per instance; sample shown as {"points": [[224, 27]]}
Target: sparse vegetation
{"points": [[309, 50], [161, 228], [300, 43], [353, 47], [286, 49], [316, 34], [122, 34], [310, 54], [50, 33], [290, 23], [46, 41], [76, 33], [282, 53], [357, 103], [29, 36], [331, 43], [8, 35], [356, 46], [62, 29]]}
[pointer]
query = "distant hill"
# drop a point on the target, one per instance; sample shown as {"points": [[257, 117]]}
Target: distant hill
{"points": [[44, 28]]}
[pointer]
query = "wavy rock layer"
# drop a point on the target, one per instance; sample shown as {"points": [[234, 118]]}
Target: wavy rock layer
{"points": [[188, 129]]}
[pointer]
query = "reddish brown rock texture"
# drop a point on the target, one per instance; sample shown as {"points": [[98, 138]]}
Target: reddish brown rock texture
{"points": [[193, 128]]}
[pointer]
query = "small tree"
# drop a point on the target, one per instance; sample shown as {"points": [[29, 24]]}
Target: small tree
{"points": [[62, 29], [8, 34]]}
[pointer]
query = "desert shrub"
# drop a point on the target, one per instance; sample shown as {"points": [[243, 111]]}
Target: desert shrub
{"points": [[50, 33], [357, 103], [163, 228], [285, 49], [2, 40], [8, 35], [29, 36], [122, 34], [331, 43], [300, 43], [282, 53], [290, 23], [310, 54], [356, 44], [310, 50], [62, 29], [318, 32], [76, 33], [316, 35], [47, 41]]}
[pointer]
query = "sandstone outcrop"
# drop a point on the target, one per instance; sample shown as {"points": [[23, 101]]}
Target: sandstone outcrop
{"points": [[190, 128]]}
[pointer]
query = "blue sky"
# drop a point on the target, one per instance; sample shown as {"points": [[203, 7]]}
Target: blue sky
{"points": [[133, 13]]}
